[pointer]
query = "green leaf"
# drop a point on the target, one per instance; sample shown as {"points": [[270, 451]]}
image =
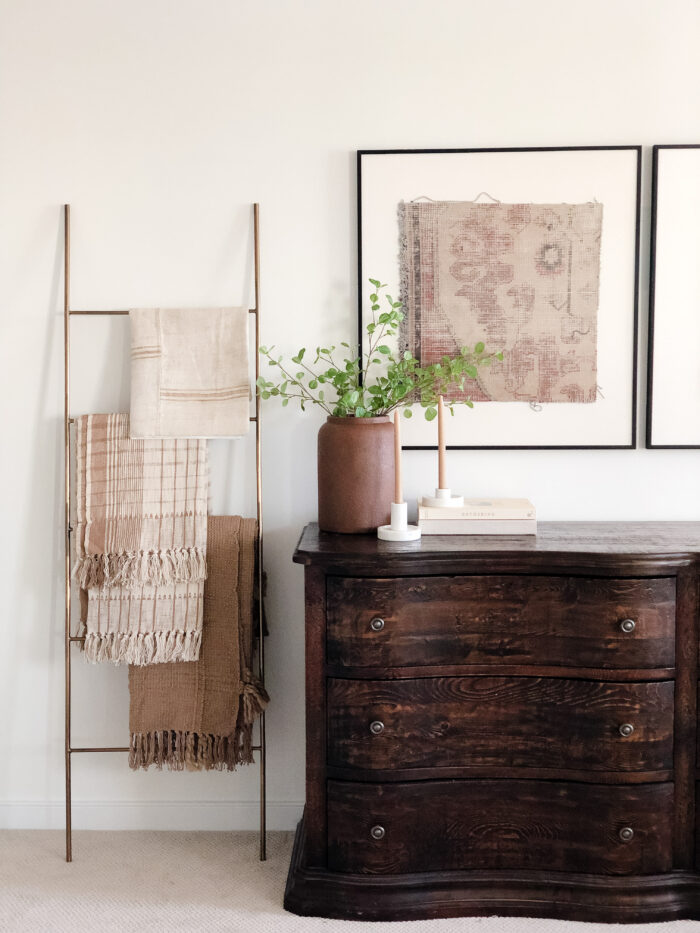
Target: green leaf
{"points": [[375, 282], [383, 318], [300, 375], [407, 413], [313, 384], [260, 382], [285, 402], [470, 371], [430, 414], [360, 411], [383, 349], [468, 402], [499, 356], [373, 297], [479, 348]]}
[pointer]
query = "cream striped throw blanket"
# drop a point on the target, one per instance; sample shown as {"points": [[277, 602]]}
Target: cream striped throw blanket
{"points": [[140, 542], [189, 372]]}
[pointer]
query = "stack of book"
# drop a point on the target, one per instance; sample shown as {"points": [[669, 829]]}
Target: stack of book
{"points": [[480, 517]]}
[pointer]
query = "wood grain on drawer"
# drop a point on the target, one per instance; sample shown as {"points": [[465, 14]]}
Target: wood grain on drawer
{"points": [[447, 825], [539, 620], [500, 722]]}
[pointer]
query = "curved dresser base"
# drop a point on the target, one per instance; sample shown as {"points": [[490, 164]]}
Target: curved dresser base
{"points": [[317, 892]]}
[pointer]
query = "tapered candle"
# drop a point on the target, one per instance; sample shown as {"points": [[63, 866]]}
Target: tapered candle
{"points": [[398, 494], [442, 465]]}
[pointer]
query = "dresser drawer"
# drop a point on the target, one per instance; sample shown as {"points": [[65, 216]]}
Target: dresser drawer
{"points": [[500, 722], [558, 621], [449, 825]]}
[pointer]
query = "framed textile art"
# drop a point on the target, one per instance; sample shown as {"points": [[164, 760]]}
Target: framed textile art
{"points": [[673, 372], [533, 252]]}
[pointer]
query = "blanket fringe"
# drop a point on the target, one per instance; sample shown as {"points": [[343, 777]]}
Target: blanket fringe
{"points": [[143, 648], [135, 568], [202, 751], [191, 751]]}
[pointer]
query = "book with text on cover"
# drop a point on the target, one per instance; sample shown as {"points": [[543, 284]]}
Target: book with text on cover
{"points": [[475, 526], [482, 509]]}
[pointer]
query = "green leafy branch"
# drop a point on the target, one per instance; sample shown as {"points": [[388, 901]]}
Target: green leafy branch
{"points": [[379, 381]]}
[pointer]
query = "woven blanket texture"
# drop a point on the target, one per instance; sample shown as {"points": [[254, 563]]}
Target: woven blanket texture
{"points": [[140, 543], [142, 506], [189, 372], [200, 715]]}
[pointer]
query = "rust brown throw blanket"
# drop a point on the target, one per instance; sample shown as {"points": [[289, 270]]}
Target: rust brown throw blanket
{"points": [[200, 714]]}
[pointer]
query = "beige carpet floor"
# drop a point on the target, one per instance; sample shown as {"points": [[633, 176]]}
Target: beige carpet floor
{"points": [[171, 882]]}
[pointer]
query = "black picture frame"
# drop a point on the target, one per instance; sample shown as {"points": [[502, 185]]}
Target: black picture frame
{"points": [[654, 277], [630, 428]]}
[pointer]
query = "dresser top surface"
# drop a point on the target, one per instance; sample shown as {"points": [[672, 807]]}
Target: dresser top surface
{"points": [[565, 538]]}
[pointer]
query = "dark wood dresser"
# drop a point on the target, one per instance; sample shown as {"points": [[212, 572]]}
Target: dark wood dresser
{"points": [[501, 725]]}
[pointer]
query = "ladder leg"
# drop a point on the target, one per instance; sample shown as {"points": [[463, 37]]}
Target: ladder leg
{"points": [[66, 437], [263, 792]]}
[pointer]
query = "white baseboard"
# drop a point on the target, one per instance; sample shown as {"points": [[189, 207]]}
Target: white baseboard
{"points": [[150, 814]]}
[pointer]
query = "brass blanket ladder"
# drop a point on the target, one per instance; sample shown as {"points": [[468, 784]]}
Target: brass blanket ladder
{"points": [[70, 639]]}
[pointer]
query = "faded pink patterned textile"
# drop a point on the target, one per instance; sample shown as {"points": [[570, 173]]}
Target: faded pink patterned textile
{"points": [[522, 278]]}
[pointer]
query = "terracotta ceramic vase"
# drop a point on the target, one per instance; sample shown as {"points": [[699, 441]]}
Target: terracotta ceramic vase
{"points": [[355, 474]]}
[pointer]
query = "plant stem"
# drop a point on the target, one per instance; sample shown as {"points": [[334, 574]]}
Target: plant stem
{"points": [[305, 391]]}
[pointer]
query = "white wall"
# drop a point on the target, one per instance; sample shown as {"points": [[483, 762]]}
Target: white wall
{"points": [[160, 122]]}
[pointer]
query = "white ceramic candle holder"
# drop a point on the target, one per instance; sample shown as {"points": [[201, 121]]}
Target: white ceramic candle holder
{"points": [[399, 529], [443, 499]]}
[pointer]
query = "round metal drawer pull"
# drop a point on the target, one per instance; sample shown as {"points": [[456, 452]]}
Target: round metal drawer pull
{"points": [[377, 624], [628, 625], [378, 832], [626, 730], [376, 727], [626, 834]]}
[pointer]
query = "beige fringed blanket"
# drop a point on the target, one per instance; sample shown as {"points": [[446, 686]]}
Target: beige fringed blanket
{"points": [[144, 624], [189, 372], [200, 715], [142, 506], [141, 543]]}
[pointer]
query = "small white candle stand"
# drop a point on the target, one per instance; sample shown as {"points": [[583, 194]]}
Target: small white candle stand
{"points": [[399, 529], [443, 498]]}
